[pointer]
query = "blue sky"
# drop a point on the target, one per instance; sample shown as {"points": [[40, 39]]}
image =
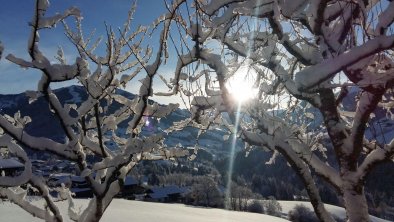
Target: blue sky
{"points": [[14, 32]]}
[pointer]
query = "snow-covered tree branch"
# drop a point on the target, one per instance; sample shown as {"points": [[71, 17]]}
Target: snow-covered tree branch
{"points": [[89, 124], [304, 58]]}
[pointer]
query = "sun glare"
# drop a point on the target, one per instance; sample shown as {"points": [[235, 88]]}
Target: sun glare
{"points": [[240, 85]]}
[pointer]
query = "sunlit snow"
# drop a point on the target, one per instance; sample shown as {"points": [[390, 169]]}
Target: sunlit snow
{"points": [[124, 210]]}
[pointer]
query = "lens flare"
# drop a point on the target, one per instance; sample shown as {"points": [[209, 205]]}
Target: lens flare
{"points": [[240, 85], [232, 157]]}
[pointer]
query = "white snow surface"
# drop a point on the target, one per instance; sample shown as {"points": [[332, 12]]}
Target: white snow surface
{"points": [[126, 210], [123, 210], [337, 211]]}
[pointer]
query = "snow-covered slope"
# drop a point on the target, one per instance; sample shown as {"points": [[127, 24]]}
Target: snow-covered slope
{"points": [[125, 210], [335, 210]]}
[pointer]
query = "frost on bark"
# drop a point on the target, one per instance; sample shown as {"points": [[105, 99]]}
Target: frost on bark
{"points": [[89, 124], [307, 58]]}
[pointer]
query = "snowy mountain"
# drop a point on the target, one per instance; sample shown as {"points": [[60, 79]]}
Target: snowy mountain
{"points": [[381, 125], [45, 124]]}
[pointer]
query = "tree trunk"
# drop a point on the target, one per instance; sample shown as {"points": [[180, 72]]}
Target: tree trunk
{"points": [[305, 175], [356, 204], [93, 212]]}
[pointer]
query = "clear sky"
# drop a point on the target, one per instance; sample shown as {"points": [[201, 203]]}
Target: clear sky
{"points": [[14, 33]]}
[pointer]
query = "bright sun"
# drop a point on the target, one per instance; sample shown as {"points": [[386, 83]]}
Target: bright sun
{"points": [[240, 85]]}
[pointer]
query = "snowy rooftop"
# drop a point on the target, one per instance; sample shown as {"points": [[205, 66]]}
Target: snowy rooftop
{"points": [[78, 189], [130, 181], [10, 163], [160, 192]]}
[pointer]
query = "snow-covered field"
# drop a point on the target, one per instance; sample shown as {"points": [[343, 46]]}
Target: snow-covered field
{"points": [[337, 211], [125, 210]]}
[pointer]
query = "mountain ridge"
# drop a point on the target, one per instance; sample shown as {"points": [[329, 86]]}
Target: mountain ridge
{"points": [[45, 124]]}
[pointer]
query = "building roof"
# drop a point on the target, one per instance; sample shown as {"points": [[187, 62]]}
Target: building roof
{"points": [[158, 195], [130, 181], [78, 179], [78, 189], [161, 192], [10, 164]]}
